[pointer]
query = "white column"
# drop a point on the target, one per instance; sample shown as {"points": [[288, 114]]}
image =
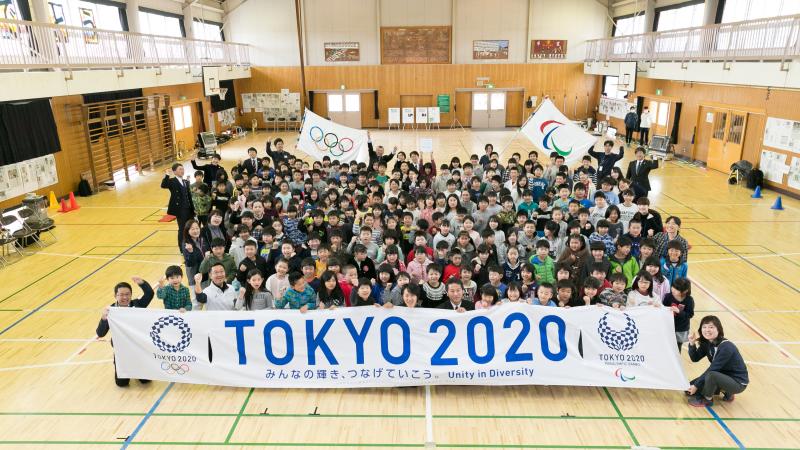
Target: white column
{"points": [[188, 19], [40, 11], [132, 13], [710, 13], [649, 15]]}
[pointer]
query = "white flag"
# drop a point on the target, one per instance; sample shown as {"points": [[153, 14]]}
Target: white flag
{"points": [[552, 131], [320, 137]]}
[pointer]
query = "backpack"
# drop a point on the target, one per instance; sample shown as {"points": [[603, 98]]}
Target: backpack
{"points": [[755, 179], [84, 189]]}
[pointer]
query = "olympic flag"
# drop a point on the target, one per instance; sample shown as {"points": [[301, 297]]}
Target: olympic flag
{"points": [[321, 137], [372, 347], [552, 131]]}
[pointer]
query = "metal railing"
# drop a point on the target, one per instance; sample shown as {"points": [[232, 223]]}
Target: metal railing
{"points": [[36, 45], [774, 38]]}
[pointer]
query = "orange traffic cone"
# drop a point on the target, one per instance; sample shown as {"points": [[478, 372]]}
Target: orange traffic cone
{"points": [[73, 205], [64, 208]]}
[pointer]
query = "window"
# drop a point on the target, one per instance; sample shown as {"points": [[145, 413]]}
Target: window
{"points": [[681, 17], [626, 26], [498, 101], [738, 10], [610, 87], [207, 31], [335, 103], [480, 101], [76, 12], [663, 111], [182, 117], [352, 102], [159, 24]]}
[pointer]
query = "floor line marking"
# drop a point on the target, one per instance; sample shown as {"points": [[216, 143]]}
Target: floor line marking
{"points": [[748, 261], [84, 278], [725, 427], [429, 440], [621, 417], [47, 340], [777, 366], [82, 348], [741, 257], [27, 285], [239, 416], [745, 321], [146, 417], [59, 364]]}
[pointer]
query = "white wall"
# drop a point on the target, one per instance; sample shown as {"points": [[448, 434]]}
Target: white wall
{"points": [[574, 20], [361, 26], [478, 19], [270, 27], [399, 13]]}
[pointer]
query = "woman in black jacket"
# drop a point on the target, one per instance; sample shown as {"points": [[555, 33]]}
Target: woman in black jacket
{"points": [[727, 372], [215, 228], [195, 247]]}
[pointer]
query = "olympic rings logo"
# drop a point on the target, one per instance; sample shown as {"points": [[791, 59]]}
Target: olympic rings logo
{"points": [[174, 368], [330, 142]]}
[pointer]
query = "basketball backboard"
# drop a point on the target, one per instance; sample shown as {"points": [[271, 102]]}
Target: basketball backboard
{"points": [[627, 76], [210, 80]]}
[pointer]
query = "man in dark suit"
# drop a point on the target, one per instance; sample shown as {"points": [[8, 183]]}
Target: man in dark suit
{"points": [[252, 165], [180, 198], [455, 298], [639, 172]]}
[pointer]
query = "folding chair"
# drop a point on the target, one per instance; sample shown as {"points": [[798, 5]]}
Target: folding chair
{"points": [[20, 235], [39, 225], [5, 239]]}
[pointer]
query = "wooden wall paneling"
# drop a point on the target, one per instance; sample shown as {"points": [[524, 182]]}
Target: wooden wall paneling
{"points": [[515, 101]]}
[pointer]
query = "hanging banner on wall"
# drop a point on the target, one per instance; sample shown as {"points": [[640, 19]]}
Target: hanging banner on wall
{"points": [[614, 107], [548, 49], [375, 347], [321, 137], [550, 130], [342, 51]]}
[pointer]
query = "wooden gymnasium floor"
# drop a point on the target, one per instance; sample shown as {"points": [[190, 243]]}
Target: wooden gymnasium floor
{"points": [[56, 380]]}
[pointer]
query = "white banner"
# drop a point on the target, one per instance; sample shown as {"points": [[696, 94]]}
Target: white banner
{"points": [[614, 107], [550, 130], [320, 137], [371, 347]]}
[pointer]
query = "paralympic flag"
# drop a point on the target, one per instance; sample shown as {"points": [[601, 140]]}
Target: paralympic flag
{"points": [[321, 137], [552, 131]]}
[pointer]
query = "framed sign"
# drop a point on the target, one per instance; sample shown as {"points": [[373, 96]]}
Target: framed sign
{"points": [[548, 49], [342, 51], [415, 45], [490, 49]]}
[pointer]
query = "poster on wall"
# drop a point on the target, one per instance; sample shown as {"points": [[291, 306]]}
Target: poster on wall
{"points": [[548, 49], [793, 180], [342, 51], [8, 11], [57, 17], [490, 49], [773, 164], [227, 117], [614, 107], [783, 134], [87, 21], [247, 102], [27, 176]]}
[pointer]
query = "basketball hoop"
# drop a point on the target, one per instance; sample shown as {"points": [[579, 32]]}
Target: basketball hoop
{"points": [[221, 93]]}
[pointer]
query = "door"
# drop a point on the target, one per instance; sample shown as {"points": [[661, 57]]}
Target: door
{"points": [[488, 109], [659, 111], [726, 140], [345, 108]]}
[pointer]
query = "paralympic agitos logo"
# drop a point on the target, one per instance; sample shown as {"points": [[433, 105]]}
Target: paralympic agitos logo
{"points": [[549, 142]]}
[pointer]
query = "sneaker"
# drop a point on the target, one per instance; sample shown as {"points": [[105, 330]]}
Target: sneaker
{"points": [[700, 402], [728, 397]]}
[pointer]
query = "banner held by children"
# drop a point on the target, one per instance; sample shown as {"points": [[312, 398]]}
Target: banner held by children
{"points": [[515, 344], [552, 131], [320, 137]]}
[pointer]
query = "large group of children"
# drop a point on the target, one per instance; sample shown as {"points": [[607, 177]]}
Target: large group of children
{"points": [[279, 232]]}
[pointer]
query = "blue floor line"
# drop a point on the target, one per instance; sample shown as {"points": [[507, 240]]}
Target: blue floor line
{"points": [[146, 417], [35, 310], [725, 427]]}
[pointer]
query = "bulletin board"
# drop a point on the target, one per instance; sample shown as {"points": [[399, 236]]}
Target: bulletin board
{"points": [[416, 45]]}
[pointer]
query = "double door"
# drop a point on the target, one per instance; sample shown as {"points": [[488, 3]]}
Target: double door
{"points": [[488, 109], [727, 138], [345, 108]]}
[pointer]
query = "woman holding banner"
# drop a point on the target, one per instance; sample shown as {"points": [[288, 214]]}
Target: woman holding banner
{"points": [[727, 373]]}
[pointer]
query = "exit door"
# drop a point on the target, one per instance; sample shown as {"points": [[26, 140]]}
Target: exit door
{"points": [[345, 109], [488, 109], [726, 140]]}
